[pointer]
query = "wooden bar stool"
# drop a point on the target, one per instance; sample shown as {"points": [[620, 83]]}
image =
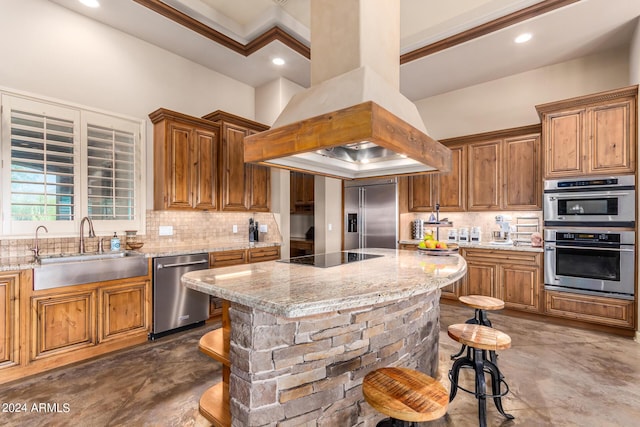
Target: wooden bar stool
{"points": [[481, 304], [406, 395], [480, 339]]}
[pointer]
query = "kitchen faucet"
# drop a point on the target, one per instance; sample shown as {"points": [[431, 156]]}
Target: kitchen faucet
{"points": [[36, 248], [91, 232]]}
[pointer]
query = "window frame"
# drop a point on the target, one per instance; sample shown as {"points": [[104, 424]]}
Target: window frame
{"points": [[83, 116]]}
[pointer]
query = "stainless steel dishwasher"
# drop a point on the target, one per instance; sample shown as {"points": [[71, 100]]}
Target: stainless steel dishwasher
{"points": [[176, 307]]}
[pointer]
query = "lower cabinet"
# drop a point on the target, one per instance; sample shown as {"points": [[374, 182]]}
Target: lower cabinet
{"points": [[512, 276], [46, 329], [62, 322], [9, 320], [588, 308]]}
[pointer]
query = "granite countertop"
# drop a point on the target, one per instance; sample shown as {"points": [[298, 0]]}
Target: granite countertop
{"points": [[485, 245], [28, 262], [294, 290]]}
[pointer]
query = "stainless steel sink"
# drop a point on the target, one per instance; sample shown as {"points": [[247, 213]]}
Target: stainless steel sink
{"points": [[64, 270]]}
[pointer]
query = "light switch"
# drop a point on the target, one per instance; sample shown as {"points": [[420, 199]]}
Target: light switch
{"points": [[165, 230], [235, 228], [263, 228], [329, 227]]}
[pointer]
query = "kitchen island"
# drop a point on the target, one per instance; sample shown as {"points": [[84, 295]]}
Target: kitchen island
{"points": [[302, 337]]}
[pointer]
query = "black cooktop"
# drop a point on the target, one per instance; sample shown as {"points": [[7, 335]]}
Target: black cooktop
{"points": [[330, 260]]}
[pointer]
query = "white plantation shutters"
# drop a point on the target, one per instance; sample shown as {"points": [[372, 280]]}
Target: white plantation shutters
{"points": [[42, 167], [110, 173], [61, 163]]}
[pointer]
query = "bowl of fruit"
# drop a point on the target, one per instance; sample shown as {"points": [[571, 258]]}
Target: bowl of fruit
{"points": [[436, 247]]}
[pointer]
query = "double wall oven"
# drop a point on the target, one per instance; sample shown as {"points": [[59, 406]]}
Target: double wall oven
{"points": [[590, 236]]}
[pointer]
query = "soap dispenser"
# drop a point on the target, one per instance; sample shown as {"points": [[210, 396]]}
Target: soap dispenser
{"points": [[115, 243]]}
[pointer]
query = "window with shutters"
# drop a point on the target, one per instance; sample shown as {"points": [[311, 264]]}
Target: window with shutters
{"points": [[62, 163]]}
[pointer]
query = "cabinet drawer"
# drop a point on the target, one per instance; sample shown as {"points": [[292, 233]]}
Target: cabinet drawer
{"points": [[264, 254], [588, 308], [227, 258], [502, 256]]}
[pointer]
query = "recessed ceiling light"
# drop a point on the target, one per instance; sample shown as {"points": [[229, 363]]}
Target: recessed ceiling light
{"points": [[523, 38], [278, 61]]}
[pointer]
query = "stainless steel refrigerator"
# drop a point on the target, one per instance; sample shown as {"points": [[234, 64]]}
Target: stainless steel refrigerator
{"points": [[371, 213]]}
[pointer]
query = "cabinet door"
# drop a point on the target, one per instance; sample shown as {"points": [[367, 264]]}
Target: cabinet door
{"points": [[519, 286], [612, 138], [521, 173], [481, 278], [9, 321], [563, 149], [180, 170], [421, 194], [259, 188], [302, 192], [234, 177], [451, 186], [123, 309], [205, 169], [62, 323], [484, 176]]}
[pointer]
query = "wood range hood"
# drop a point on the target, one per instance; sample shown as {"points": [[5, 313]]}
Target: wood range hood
{"points": [[352, 122]]}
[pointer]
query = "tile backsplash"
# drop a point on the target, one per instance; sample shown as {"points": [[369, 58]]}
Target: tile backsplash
{"points": [[188, 228]]}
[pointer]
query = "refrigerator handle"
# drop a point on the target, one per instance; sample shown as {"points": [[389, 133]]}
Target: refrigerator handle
{"points": [[363, 214]]}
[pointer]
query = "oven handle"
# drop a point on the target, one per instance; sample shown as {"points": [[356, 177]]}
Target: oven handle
{"points": [[587, 196], [554, 247]]}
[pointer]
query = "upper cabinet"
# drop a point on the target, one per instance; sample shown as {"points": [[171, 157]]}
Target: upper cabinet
{"points": [[244, 187], [590, 135], [491, 171], [449, 189], [302, 192], [199, 163], [185, 161]]}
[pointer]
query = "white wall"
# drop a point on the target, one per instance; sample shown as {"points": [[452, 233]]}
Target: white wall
{"points": [[510, 101], [52, 51]]}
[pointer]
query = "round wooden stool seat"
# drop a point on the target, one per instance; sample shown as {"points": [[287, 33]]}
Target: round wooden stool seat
{"points": [[481, 302], [405, 394], [480, 337]]}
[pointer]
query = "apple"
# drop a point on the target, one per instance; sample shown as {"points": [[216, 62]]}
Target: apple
{"points": [[422, 245]]}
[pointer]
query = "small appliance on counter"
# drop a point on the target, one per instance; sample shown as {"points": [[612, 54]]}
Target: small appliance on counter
{"points": [[475, 235], [417, 229], [463, 235], [503, 235], [452, 236]]}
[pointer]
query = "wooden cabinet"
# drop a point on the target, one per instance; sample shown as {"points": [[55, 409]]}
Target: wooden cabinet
{"points": [[521, 172], [300, 247], [484, 177], [590, 135], [451, 187], [513, 276], [505, 173], [589, 308], [421, 193], [124, 309], [185, 161], [492, 171], [56, 327], [302, 193], [244, 187], [9, 319], [63, 322]]}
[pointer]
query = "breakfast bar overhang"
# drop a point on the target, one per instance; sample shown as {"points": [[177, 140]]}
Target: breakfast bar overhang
{"points": [[303, 337]]}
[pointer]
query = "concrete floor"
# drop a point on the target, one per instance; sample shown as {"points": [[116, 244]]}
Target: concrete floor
{"points": [[558, 376]]}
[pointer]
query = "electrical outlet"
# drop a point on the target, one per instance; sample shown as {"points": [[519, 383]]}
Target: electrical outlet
{"points": [[235, 228], [263, 228], [165, 230]]}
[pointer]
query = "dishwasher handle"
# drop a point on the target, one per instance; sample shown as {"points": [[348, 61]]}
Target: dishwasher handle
{"points": [[183, 264]]}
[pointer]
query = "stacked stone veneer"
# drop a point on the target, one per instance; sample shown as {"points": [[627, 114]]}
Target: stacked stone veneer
{"points": [[309, 371]]}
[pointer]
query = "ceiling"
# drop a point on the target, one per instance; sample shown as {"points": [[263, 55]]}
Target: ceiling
{"points": [[580, 28]]}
